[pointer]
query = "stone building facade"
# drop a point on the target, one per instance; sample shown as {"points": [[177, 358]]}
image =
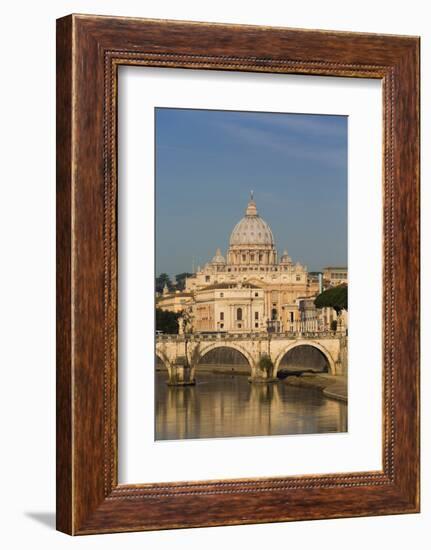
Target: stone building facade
{"points": [[175, 301], [334, 276], [249, 290], [229, 307]]}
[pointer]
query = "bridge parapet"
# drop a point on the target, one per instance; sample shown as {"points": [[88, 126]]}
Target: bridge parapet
{"points": [[263, 336]]}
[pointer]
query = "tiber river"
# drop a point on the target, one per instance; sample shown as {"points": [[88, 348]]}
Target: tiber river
{"points": [[225, 404]]}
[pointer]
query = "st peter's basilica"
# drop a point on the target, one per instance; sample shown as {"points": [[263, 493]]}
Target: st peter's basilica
{"points": [[250, 289]]}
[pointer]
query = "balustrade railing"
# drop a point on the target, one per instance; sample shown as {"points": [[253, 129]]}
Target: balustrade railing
{"points": [[290, 335]]}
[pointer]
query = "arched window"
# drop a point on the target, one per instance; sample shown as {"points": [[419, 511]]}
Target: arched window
{"points": [[239, 314], [274, 314]]}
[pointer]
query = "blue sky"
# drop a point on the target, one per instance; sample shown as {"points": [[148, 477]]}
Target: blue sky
{"points": [[208, 161]]}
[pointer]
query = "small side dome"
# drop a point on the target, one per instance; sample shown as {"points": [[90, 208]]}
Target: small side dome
{"points": [[218, 258], [285, 258]]}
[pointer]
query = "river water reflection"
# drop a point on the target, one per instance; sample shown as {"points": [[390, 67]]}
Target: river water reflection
{"points": [[224, 405]]}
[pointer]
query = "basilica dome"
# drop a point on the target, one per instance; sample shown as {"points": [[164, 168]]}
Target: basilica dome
{"points": [[252, 229]]}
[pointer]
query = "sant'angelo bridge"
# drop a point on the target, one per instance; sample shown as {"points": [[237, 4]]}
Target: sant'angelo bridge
{"points": [[181, 355]]}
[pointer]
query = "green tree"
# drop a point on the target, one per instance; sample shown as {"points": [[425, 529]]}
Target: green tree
{"points": [[181, 280], [162, 280], [265, 362], [335, 297], [167, 321]]}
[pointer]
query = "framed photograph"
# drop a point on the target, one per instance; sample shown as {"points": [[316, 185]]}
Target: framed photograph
{"points": [[237, 274]]}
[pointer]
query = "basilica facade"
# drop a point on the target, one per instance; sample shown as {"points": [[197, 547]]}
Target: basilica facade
{"points": [[250, 289]]}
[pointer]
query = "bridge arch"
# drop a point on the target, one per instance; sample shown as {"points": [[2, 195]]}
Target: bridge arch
{"points": [[163, 358], [200, 352], [311, 343]]}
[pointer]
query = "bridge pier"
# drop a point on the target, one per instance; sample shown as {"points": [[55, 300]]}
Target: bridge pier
{"points": [[263, 374], [181, 373]]}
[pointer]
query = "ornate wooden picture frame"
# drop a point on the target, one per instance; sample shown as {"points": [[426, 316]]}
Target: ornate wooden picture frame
{"points": [[89, 51]]}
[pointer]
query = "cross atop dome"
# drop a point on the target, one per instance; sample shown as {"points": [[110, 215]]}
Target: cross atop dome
{"points": [[251, 209]]}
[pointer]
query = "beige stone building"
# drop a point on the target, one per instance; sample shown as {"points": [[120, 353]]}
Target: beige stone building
{"points": [[334, 276], [175, 301], [251, 289], [229, 307]]}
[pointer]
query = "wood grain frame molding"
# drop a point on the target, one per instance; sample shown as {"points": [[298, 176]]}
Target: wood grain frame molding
{"points": [[89, 51]]}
